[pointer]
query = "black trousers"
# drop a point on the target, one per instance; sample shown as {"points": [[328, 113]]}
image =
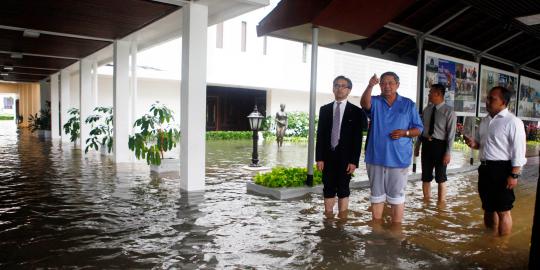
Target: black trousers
{"points": [[334, 176], [492, 181], [432, 156]]}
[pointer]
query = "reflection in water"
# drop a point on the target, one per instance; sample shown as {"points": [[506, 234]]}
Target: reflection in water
{"points": [[60, 208]]}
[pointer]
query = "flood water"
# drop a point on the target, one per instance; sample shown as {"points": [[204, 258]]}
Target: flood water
{"points": [[60, 209]]}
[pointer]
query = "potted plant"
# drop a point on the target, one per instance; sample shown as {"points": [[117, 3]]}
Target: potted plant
{"points": [[73, 125], [41, 124], [101, 134], [156, 135]]}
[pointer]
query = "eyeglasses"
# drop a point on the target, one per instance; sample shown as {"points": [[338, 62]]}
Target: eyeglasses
{"points": [[339, 86], [387, 83]]}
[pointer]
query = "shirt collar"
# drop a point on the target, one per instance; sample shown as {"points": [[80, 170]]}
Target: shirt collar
{"points": [[502, 113], [440, 105], [342, 102]]}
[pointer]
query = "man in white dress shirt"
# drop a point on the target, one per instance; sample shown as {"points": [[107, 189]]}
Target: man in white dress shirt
{"points": [[501, 140]]}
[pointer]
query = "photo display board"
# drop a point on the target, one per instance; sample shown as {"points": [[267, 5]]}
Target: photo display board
{"points": [[529, 99], [491, 77], [460, 77]]}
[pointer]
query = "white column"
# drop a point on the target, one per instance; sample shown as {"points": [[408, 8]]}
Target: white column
{"points": [[121, 102], [23, 104], [65, 101], [193, 97], [86, 99], [55, 107], [133, 84], [95, 82]]}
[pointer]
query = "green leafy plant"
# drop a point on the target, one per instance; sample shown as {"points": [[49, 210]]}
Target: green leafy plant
{"points": [[101, 134], [156, 134], [73, 125], [286, 177], [41, 122], [228, 135]]}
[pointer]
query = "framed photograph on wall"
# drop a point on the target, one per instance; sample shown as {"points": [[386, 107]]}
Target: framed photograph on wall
{"points": [[491, 77], [460, 77], [529, 99]]}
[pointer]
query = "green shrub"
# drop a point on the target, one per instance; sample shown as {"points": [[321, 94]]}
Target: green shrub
{"points": [[286, 177], [298, 124], [229, 135], [6, 117]]}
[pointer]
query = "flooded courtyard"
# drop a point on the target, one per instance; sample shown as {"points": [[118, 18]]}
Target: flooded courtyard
{"points": [[61, 209]]}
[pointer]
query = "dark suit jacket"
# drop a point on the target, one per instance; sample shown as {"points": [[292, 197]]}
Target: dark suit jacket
{"points": [[350, 140]]}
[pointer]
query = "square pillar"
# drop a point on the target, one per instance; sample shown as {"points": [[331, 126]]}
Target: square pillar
{"points": [[193, 97], [55, 107], [65, 101], [121, 102], [86, 99]]}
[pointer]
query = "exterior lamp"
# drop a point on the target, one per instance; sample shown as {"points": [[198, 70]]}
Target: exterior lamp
{"points": [[255, 120]]}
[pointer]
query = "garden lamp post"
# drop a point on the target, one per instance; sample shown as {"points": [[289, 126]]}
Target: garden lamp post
{"points": [[255, 120]]}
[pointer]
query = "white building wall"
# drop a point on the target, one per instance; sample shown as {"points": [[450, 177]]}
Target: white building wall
{"points": [[284, 67]]}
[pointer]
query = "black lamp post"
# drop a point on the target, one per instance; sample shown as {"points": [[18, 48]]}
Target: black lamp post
{"points": [[255, 120]]}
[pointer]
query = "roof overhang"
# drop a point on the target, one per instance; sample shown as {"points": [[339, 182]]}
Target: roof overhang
{"points": [[338, 20]]}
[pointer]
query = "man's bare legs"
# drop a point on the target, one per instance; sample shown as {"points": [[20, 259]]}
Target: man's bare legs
{"points": [[397, 212], [343, 207], [426, 189], [499, 222], [329, 207], [377, 211], [441, 188], [442, 192], [505, 222]]}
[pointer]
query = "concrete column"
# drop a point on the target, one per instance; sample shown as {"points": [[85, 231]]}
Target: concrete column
{"points": [[133, 84], [22, 104], [121, 102], [44, 94], [193, 97], [55, 107], [65, 101], [86, 98], [95, 82]]}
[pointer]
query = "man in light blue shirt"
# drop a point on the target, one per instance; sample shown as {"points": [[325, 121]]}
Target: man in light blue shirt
{"points": [[394, 122]]}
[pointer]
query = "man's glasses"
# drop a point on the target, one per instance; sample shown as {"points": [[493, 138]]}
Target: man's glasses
{"points": [[339, 86]]}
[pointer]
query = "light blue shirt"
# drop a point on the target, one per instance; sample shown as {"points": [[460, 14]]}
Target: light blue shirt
{"points": [[381, 149]]}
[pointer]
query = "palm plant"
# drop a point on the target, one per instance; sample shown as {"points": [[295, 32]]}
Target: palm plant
{"points": [[101, 134], [156, 136]]}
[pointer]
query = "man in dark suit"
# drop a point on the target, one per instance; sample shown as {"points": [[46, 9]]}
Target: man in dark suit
{"points": [[339, 140]]}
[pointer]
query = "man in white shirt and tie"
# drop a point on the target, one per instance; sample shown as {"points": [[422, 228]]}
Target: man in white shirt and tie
{"points": [[501, 140]]}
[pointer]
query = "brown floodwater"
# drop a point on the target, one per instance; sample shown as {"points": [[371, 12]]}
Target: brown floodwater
{"points": [[62, 209]]}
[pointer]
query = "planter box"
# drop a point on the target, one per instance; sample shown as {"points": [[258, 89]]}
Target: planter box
{"points": [[282, 193], [297, 192], [167, 165]]}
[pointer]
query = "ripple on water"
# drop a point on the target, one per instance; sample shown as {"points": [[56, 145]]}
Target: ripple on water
{"points": [[62, 209]]}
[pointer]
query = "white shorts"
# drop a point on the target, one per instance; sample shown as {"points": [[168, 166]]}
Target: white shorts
{"points": [[387, 184]]}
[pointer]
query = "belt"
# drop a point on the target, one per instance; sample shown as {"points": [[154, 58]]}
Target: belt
{"points": [[430, 139], [494, 162]]}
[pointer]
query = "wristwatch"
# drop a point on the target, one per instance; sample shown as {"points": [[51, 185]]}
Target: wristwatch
{"points": [[407, 133], [515, 175]]}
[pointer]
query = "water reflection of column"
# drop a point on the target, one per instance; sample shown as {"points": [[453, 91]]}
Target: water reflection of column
{"points": [[196, 236]]}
